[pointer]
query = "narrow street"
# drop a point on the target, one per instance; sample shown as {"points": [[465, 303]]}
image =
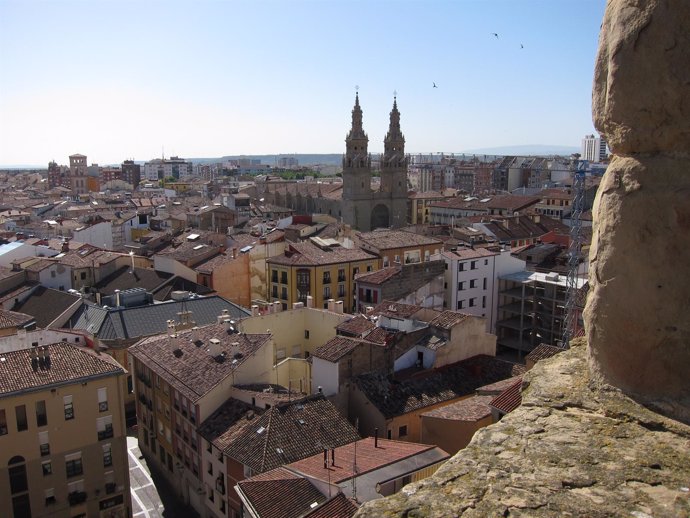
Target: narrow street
{"points": [[152, 497]]}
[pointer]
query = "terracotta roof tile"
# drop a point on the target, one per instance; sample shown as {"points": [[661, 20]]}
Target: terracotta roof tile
{"points": [[336, 348], [395, 309], [389, 239], [9, 319], [509, 399], [378, 276], [307, 254], [337, 507], [68, 363], [542, 351], [448, 319], [357, 326], [472, 409]]}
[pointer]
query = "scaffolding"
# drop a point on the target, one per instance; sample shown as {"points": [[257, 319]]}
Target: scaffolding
{"points": [[574, 252]]}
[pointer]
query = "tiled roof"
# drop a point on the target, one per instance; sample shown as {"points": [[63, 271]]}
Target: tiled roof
{"points": [[188, 250], [511, 202], [542, 351], [395, 309], [494, 389], [464, 254], [289, 432], [10, 319], [509, 399], [336, 348], [369, 458], [378, 276], [208, 265], [39, 265], [46, 304], [448, 319], [308, 254], [357, 326], [137, 322], [68, 363], [390, 239], [473, 408], [280, 493], [227, 422], [337, 507], [377, 335], [393, 398], [125, 278], [193, 371], [88, 257]]}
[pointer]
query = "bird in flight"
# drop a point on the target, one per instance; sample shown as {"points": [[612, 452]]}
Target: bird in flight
{"points": [[495, 34], [522, 46], [435, 85]]}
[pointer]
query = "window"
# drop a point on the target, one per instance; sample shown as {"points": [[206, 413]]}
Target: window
{"points": [[355, 271], [461, 285], [484, 283], [83, 276], [369, 268], [402, 431], [102, 399], [274, 275], [461, 267], [69, 408], [47, 468], [283, 278], [73, 465], [460, 304], [107, 455], [104, 427], [3, 422], [283, 293], [484, 301], [17, 472], [21, 506], [44, 443], [306, 334], [326, 292], [473, 265], [50, 496], [341, 290], [326, 277], [473, 283], [341, 275], [274, 291], [20, 412], [41, 416], [472, 301], [486, 262]]}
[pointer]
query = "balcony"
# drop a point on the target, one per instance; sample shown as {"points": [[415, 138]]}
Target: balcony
{"points": [[76, 497]]}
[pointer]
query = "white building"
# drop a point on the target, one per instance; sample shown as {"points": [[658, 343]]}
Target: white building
{"points": [[471, 280], [176, 167], [594, 148]]}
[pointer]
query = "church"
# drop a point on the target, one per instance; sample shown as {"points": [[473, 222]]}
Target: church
{"points": [[354, 202]]}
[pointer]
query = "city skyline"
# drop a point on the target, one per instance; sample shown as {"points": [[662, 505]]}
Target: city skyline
{"points": [[127, 80]]}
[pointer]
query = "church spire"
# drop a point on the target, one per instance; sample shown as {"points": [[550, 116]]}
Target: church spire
{"points": [[394, 140], [357, 130]]}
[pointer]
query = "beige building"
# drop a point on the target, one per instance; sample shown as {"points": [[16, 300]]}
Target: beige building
{"points": [[63, 447]]}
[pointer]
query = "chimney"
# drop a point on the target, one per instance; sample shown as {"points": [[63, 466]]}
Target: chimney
{"points": [[320, 389], [193, 334], [214, 349], [376, 437], [34, 359], [117, 298], [297, 305], [234, 253], [331, 305], [310, 301], [255, 310], [325, 458], [339, 306], [369, 309], [277, 307], [65, 246]]}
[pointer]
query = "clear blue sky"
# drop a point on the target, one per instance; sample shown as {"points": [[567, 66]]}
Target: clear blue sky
{"points": [[122, 79]]}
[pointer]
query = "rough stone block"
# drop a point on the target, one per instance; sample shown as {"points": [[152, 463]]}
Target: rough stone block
{"points": [[641, 97], [637, 315]]}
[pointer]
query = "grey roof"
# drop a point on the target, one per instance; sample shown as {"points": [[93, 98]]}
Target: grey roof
{"points": [[137, 322], [46, 304]]}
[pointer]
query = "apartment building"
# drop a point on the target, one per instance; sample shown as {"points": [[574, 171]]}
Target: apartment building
{"points": [[471, 280], [399, 246], [63, 447], [322, 269]]}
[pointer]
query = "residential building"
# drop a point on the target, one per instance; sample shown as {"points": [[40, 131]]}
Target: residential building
{"points": [[594, 149], [398, 246], [531, 309], [161, 168], [322, 269], [471, 280], [335, 485], [63, 448], [130, 172]]}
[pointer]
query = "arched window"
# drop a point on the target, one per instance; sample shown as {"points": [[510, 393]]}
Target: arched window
{"points": [[17, 471]]}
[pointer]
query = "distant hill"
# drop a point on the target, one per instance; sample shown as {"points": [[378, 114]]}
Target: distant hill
{"points": [[303, 159], [529, 149]]}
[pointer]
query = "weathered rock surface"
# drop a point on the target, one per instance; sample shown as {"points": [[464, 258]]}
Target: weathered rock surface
{"points": [[637, 318], [641, 97], [573, 448]]}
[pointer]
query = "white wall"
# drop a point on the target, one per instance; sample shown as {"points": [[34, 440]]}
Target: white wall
{"points": [[324, 374], [409, 359], [56, 276], [25, 339], [100, 235]]}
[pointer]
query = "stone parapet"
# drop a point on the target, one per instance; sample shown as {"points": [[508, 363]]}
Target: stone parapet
{"points": [[574, 448]]}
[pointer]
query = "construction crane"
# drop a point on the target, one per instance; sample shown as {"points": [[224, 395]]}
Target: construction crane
{"points": [[570, 324]]}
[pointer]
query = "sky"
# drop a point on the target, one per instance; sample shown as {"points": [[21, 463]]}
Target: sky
{"points": [[126, 79]]}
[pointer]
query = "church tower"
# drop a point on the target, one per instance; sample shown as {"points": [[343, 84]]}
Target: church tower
{"points": [[394, 162], [356, 162]]}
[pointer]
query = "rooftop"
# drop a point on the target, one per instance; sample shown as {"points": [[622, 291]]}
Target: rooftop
{"points": [[473, 409], [543, 351], [46, 304], [308, 254], [510, 398], [67, 363], [357, 326], [391, 239]]}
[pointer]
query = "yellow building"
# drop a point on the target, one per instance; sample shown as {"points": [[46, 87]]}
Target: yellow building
{"points": [[63, 446], [320, 269]]}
